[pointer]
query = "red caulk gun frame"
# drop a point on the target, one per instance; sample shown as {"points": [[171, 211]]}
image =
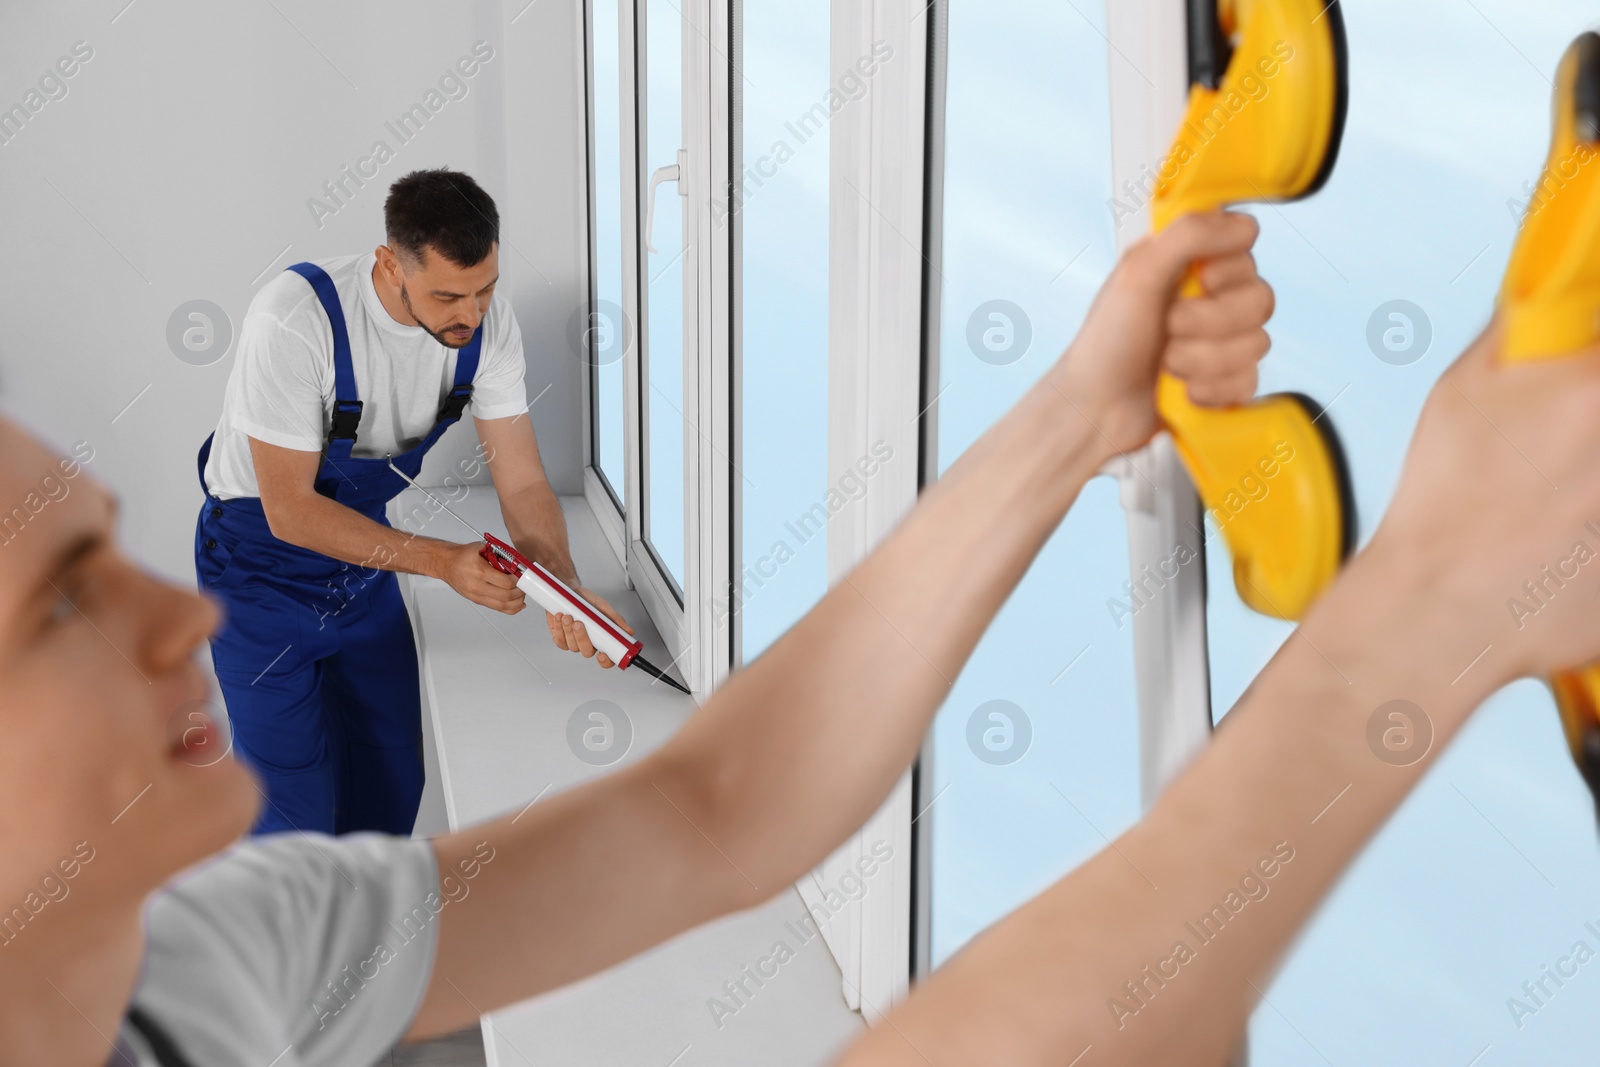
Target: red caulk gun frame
{"points": [[554, 595]]}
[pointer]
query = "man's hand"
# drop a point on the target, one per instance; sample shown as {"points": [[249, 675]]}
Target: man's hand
{"points": [[469, 574], [1501, 488], [567, 633], [1135, 327]]}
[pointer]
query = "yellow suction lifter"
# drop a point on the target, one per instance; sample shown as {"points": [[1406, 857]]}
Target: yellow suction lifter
{"points": [[1266, 112], [1550, 305]]}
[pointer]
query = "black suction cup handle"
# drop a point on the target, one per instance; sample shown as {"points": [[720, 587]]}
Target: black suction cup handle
{"points": [[1589, 762], [1586, 89], [1210, 50]]}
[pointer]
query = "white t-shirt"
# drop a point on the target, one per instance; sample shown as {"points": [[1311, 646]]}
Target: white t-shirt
{"points": [[295, 950], [281, 390]]}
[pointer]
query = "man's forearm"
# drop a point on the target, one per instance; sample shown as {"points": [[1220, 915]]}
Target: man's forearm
{"points": [[1156, 950], [538, 529], [801, 746], [326, 526], [783, 761]]}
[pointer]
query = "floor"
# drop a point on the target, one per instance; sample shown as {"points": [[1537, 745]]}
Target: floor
{"points": [[464, 1049]]}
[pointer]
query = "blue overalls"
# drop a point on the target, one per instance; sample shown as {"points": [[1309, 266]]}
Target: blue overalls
{"points": [[316, 660]]}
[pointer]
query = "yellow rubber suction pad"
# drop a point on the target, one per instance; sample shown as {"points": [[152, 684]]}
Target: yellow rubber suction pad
{"points": [[1550, 304], [1275, 486], [1270, 128], [1550, 300], [1576, 694], [1264, 121]]}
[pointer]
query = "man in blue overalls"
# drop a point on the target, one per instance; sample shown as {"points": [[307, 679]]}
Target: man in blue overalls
{"points": [[344, 366]]}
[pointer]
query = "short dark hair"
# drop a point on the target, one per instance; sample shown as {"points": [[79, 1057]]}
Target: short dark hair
{"points": [[444, 210]]}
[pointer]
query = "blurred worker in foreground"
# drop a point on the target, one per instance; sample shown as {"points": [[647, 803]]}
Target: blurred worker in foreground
{"points": [[249, 959]]}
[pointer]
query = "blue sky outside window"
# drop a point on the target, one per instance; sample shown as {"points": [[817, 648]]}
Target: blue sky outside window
{"points": [[783, 205], [609, 333], [1035, 754], [663, 282], [1490, 870]]}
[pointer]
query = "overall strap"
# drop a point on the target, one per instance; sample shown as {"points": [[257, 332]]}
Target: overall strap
{"points": [[161, 1044], [346, 404], [200, 462], [455, 401]]}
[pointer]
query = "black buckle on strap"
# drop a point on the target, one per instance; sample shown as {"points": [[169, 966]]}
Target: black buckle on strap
{"points": [[346, 419], [455, 403]]}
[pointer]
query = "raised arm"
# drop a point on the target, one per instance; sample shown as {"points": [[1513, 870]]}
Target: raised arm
{"points": [[1157, 949], [795, 751]]}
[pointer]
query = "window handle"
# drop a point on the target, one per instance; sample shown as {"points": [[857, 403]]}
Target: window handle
{"points": [[673, 172]]}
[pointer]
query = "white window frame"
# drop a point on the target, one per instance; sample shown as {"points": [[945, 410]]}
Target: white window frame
{"points": [[1148, 40], [875, 334], [885, 180], [695, 645], [713, 549], [608, 511], [1147, 48]]}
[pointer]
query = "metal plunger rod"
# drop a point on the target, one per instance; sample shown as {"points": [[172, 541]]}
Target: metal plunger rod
{"points": [[405, 478]]}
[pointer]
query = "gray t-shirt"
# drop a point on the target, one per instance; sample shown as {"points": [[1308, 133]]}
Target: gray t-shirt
{"points": [[294, 950]]}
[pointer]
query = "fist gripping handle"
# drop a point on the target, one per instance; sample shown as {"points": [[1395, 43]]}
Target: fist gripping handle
{"points": [[1550, 303], [1264, 120]]}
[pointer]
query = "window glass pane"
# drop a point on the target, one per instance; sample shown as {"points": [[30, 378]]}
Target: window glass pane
{"points": [[1490, 871], [1035, 754], [662, 288], [783, 212], [608, 336]]}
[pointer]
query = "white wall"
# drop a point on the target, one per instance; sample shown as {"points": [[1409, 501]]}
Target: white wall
{"points": [[178, 166]]}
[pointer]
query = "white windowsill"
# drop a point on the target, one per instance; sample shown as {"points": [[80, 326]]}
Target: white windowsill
{"points": [[497, 694]]}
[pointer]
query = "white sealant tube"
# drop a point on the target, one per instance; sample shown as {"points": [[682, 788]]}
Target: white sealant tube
{"points": [[555, 596]]}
